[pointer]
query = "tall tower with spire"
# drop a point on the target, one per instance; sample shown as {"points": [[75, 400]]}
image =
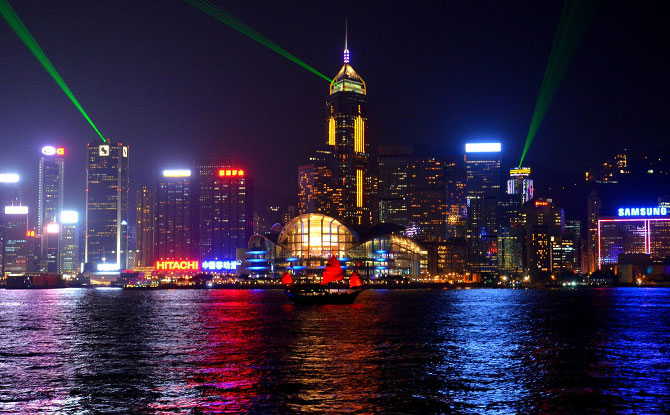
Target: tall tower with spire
{"points": [[347, 121], [339, 181]]}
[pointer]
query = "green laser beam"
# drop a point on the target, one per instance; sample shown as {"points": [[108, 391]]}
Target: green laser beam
{"points": [[571, 28], [22, 32], [222, 16]]}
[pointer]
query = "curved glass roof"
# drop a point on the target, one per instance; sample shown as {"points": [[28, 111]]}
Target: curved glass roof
{"points": [[314, 235]]}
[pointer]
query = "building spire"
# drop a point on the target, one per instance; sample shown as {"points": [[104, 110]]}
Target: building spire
{"points": [[346, 33]]}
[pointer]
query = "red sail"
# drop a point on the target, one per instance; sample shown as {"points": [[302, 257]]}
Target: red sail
{"points": [[333, 271], [286, 278], [355, 280]]}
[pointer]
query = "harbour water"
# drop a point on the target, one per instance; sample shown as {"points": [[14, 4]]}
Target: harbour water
{"points": [[462, 351]]}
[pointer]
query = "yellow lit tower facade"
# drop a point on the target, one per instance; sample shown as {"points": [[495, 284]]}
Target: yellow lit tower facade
{"points": [[347, 108]]}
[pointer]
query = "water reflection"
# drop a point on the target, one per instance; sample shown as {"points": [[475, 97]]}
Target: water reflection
{"points": [[413, 351]]}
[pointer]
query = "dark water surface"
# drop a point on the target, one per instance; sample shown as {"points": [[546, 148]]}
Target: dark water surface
{"points": [[415, 351]]}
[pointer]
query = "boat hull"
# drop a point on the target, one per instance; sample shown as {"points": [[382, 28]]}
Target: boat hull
{"points": [[322, 295]]}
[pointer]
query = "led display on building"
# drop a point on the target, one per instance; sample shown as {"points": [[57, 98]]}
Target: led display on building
{"points": [[53, 151], [634, 232], [643, 211], [219, 265], [177, 265], [194, 265]]}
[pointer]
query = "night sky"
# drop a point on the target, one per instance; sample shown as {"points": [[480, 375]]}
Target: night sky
{"points": [[176, 85]]}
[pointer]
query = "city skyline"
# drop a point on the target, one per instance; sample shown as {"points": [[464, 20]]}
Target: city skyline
{"points": [[204, 207], [195, 217], [472, 93]]}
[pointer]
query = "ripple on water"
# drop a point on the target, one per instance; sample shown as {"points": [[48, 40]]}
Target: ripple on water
{"points": [[409, 351]]}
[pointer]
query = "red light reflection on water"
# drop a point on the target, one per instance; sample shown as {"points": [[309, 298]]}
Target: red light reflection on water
{"points": [[226, 373], [262, 357]]}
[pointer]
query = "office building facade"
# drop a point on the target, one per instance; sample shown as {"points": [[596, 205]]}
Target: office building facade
{"points": [[543, 224], [394, 184], [343, 185], [225, 211], [633, 230], [51, 188], [107, 187], [68, 257], [145, 225], [482, 167], [520, 183], [175, 226], [14, 238]]}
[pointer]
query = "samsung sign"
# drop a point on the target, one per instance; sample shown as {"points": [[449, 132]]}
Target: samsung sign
{"points": [[643, 211]]}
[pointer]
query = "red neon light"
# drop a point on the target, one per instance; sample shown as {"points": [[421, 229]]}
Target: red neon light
{"points": [[599, 256], [538, 203], [60, 151], [648, 237], [30, 234], [231, 172], [631, 220], [171, 265]]}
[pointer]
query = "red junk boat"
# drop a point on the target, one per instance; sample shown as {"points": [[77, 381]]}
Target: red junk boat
{"points": [[330, 291]]}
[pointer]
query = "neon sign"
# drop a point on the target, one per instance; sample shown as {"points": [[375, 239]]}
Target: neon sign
{"points": [[16, 210], [53, 151], [9, 178], [643, 211], [482, 147], [69, 217], [52, 227], [177, 173], [541, 203], [231, 173], [105, 267], [519, 171], [30, 234], [172, 265], [219, 265]]}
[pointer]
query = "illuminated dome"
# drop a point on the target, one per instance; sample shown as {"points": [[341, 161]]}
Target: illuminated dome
{"points": [[313, 235], [347, 80]]}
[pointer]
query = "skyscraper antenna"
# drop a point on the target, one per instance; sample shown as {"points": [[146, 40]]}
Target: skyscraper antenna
{"points": [[346, 34]]}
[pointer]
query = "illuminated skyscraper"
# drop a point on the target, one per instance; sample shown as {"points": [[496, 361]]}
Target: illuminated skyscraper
{"points": [[347, 124], [9, 196], [225, 211], [306, 196], [69, 242], [456, 201], [520, 183], [144, 216], [175, 216], [51, 189], [318, 189], [510, 234], [107, 185], [9, 189], [394, 184], [543, 237], [50, 247], [482, 165], [423, 194], [14, 237], [426, 201], [594, 204]]}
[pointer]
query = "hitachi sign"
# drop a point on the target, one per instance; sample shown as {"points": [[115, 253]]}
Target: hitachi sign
{"points": [[643, 211], [177, 266]]}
